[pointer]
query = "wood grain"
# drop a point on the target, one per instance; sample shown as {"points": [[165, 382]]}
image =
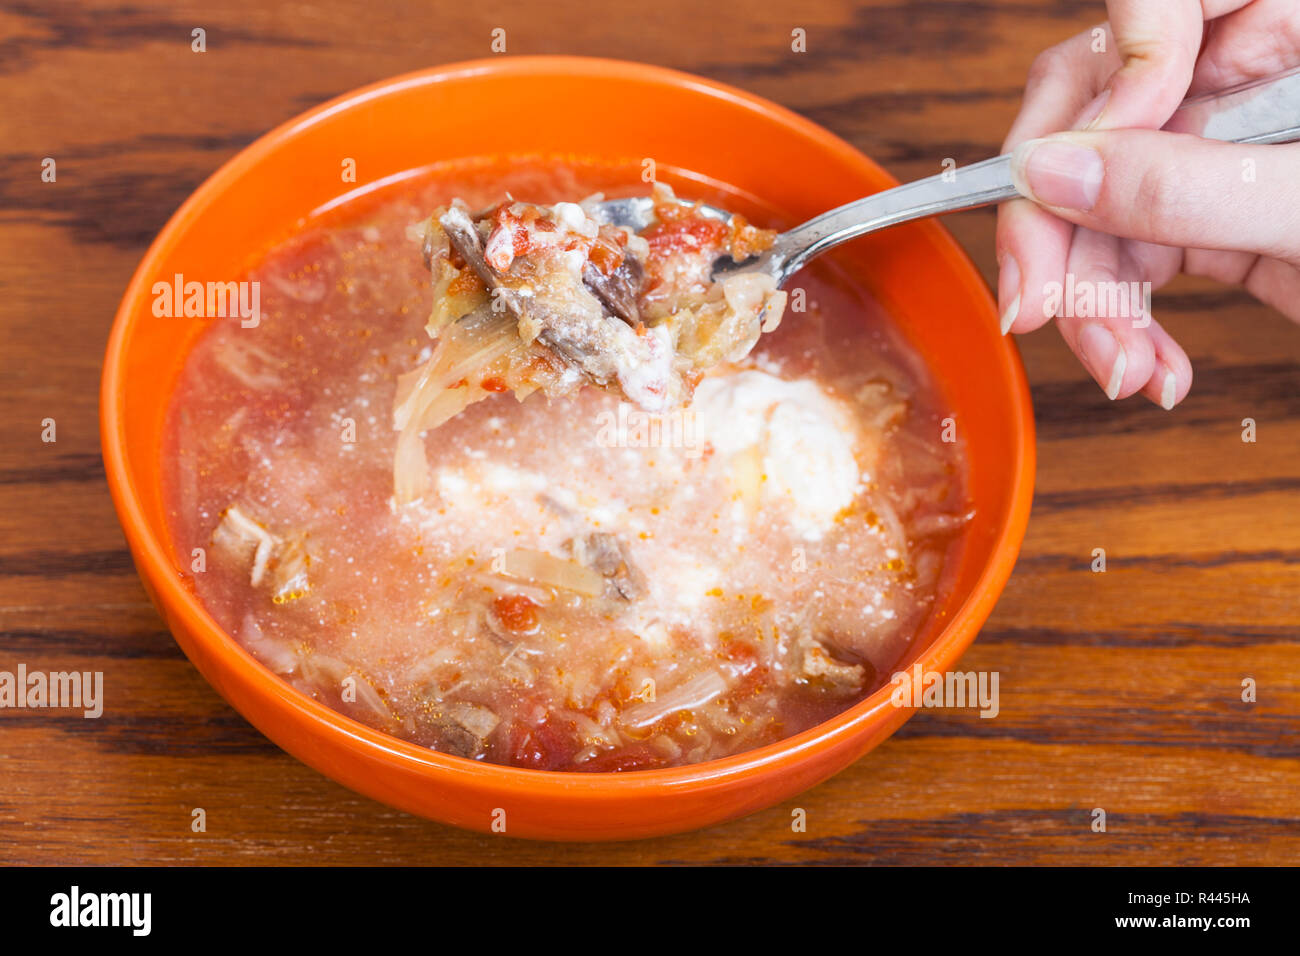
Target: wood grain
{"points": [[1119, 690]]}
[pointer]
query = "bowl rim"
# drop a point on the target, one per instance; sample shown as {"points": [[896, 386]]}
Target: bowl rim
{"points": [[156, 567]]}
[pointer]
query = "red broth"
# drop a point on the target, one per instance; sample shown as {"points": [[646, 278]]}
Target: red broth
{"points": [[768, 556]]}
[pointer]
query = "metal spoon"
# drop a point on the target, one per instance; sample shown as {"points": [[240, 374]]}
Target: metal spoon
{"points": [[1262, 111]]}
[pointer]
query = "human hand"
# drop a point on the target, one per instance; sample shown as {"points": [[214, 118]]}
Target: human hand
{"points": [[1120, 202]]}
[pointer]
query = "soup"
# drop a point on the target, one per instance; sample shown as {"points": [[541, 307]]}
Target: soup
{"points": [[575, 583]]}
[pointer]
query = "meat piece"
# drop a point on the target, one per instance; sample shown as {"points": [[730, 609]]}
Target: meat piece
{"points": [[463, 728], [553, 304], [465, 240], [816, 666], [605, 553], [618, 290]]}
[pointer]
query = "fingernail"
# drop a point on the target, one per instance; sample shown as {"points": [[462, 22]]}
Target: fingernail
{"points": [[1101, 352], [1058, 173], [1009, 290], [1090, 118], [1168, 391]]}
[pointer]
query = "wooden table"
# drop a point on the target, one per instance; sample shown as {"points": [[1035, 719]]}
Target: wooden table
{"points": [[1119, 690]]}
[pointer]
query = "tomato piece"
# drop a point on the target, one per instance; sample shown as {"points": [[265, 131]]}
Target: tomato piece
{"points": [[540, 747], [516, 612], [742, 653], [522, 241], [503, 217], [687, 234]]}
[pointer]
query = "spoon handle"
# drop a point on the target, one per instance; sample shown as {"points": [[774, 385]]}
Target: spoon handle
{"points": [[1262, 111]]}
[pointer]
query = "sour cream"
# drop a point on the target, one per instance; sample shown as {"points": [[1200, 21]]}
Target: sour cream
{"points": [[802, 437]]}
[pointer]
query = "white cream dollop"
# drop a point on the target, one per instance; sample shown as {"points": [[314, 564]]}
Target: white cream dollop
{"points": [[803, 438]]}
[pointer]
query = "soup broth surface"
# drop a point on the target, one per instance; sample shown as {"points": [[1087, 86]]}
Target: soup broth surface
{"points": [[585, 586]]}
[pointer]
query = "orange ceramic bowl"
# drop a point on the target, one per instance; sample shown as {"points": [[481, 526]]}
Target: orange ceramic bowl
{"points": [[601, 109]]}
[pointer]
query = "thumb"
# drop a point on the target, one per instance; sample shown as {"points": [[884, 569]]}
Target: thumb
{"points": [[1168, 188]]}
